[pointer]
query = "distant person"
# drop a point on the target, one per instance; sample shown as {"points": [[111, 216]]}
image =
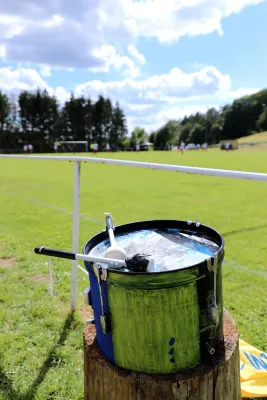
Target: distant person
{"points": [[95, 148], [198, 146], [227, 146], [55, 147], [137, 148], [30, 148], [182, 146], [107, 148], [25, 149], [205, 146]]}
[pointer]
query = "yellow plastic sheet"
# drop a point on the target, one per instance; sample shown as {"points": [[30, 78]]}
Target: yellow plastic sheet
{"points": [[253, 371]]}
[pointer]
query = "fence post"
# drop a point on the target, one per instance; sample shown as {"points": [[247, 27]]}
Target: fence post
{"points": [[75, 233]]}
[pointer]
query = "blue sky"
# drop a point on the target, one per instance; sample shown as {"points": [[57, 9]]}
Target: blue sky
{"points": [[160, 59]]}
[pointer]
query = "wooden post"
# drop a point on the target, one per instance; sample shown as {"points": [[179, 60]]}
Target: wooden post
{"points": [[219, 380]]}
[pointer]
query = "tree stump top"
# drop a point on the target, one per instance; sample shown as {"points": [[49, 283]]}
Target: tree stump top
{"points": [[217, 379]]}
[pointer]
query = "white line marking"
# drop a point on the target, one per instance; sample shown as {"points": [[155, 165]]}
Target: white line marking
{"points": [[82, 269], [233, 265], [41, 203]]}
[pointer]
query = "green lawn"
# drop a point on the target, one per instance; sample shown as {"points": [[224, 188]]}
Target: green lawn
{"points": [[257, 138], [41, 354]]}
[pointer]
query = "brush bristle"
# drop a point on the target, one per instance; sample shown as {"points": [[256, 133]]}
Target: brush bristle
{"points": [[137, 263]]}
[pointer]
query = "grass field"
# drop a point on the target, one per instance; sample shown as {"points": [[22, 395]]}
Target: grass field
{"points": [[41, 355], [257, 139]]}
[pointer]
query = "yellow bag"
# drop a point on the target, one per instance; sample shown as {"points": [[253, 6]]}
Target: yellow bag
{"points": [[253, 371]]}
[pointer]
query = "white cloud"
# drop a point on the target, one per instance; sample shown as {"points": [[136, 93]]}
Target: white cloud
{"points": [[20, 79], [140, 107], [111, 58], [70, 34], [61, 34], [235, 94], [157, 118], [45, 70], [153, 101], [61, 94], [13, 81], [132, 50], [161, 88], [169, 20], [2, 51]]}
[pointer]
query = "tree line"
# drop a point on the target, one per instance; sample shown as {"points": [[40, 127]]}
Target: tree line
{"points": [[243, 117], [37, 118]]}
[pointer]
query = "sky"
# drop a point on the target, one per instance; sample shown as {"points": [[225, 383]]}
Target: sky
{"points": [[161, 59]]}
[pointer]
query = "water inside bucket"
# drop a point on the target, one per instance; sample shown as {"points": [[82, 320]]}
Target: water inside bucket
{"points": [[171, 248]]}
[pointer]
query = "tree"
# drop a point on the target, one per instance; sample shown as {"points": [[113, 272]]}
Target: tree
{"points": [[14, 135], [119, 127], [139, 136], [210, 119], [151, 137], [240, 118], [38, 115], [185, 132], [48, 116], [36, 118], [88, 120], [98, 114], [167, 135], [4, 115], [73, 118], [262, 120], [25, 111], [215, 132], [107, 120], [197, 134]]}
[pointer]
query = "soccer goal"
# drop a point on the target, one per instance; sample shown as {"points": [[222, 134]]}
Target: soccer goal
{"points": [[71, 146]]}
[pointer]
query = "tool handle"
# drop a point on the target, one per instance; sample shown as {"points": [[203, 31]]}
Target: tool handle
{"points": [[54, 253], [110, 229], [72, 256], [109, 221]]}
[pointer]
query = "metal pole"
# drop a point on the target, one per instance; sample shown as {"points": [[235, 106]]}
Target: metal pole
{"points": [[75, 233], [224, 173]]}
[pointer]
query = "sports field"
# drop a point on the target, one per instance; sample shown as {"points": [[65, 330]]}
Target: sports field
{"points": [[41, 354], [256, 139]]}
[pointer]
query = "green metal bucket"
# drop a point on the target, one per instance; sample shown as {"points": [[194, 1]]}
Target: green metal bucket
{"points": [[165, 321]]}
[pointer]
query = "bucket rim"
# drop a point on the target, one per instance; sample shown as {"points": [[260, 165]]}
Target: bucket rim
{"points": [[190, 226]]}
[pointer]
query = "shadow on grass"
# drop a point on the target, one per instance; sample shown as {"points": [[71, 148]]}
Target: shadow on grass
{"points": [[6, 384], [254, 228]]}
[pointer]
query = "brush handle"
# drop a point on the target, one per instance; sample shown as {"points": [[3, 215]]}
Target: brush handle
{"points": [[109, 223], [72, 256], [55, 253], [110, 229]]}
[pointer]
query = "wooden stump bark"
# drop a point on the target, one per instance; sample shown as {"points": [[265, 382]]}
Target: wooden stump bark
{"points": [[218, 380]]}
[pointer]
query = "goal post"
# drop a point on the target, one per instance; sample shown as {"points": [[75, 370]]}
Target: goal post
{"points": [[71, 146]]}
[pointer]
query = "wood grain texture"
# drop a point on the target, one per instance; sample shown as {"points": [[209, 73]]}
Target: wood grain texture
{"points": [[218, 379]]}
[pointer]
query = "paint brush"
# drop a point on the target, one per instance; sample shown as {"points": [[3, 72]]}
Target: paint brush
{"points": [[137, 263]]}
